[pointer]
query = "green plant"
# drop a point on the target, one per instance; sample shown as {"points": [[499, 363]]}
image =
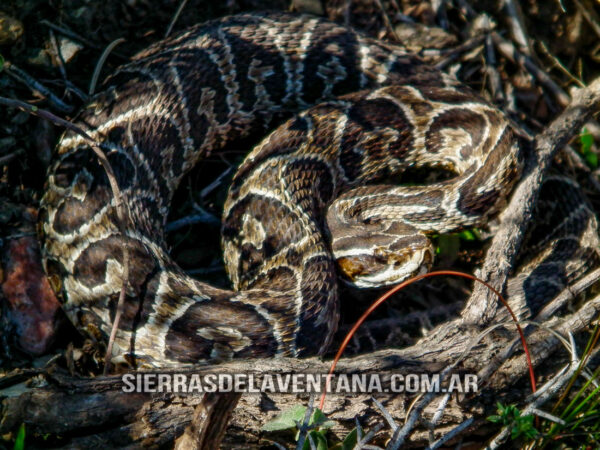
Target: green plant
{"points": [[318, 424], [510, 416], [449, 244], [20, 439], [294, 418], [586, 141], [580, 424]]}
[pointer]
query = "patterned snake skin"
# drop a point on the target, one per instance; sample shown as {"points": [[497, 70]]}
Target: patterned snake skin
{"points": [[303, 199]]}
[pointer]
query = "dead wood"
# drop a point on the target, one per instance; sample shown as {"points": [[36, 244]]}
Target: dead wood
{"points": [[96, 412]]}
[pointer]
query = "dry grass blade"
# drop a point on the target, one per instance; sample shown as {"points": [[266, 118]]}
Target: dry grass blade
{"points": [[182, 4], [107, 51]]}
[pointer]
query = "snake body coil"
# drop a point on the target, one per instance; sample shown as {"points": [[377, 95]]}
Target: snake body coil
{"points": [[304, 198]]}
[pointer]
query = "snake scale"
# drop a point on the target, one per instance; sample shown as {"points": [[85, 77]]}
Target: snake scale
{"points": [[312, 200]]}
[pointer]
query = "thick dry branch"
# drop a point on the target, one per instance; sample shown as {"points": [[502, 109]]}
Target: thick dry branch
{"points": [[96, 413], [209, 422], [505, 245]]}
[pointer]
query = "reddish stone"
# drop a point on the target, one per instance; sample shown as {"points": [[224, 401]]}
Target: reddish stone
{"points": [[34, 309]]}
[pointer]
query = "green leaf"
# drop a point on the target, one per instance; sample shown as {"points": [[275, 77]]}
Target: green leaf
{"points": [[587, 140], [319, 419], [495, 418], [592, 159], [472, 234], [1, 62], [286, 420], [20, 440], [318, 438], [351, 440]]}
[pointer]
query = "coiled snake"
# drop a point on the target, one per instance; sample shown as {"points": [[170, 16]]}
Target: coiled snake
{"points": [[303, 199]]}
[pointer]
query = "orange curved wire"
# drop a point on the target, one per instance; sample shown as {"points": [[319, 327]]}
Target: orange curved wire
{"points": [[401, 286]]}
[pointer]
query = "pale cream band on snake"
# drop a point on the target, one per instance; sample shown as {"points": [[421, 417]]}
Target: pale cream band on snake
{"points": [[315, 191]]}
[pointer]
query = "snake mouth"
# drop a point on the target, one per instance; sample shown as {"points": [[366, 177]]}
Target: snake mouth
{"points": [[384, 268]]}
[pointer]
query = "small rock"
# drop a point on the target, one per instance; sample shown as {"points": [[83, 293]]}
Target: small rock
{"points": [[68, 49], [10, 29]]}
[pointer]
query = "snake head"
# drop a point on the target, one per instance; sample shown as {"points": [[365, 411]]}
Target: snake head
{"points": [[383, 258]]}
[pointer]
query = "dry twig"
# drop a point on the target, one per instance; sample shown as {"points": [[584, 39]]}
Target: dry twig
{"points": [[36, 87]]}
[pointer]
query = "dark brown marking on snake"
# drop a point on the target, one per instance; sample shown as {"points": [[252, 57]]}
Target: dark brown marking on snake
{"points": [[404, 95], [460, 119], [56, 272], [321, 292], [309, 184], [252, 62], [198, 334], [342, 53], [196, 71], [138, 311], [73, 213], [472, 201], [351, 159], [256, 218], [91, 265], [286, 139], [70, 166], [379, 115], [277, 279]]}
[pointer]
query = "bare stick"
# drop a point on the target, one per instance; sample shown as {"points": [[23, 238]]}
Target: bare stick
{"points": [[455, 432], [387, 21], [509, 51], [8, 158], [36, 86], [560, 66], [514, 18], [589, 15], [490, 69], [506, 243]]}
